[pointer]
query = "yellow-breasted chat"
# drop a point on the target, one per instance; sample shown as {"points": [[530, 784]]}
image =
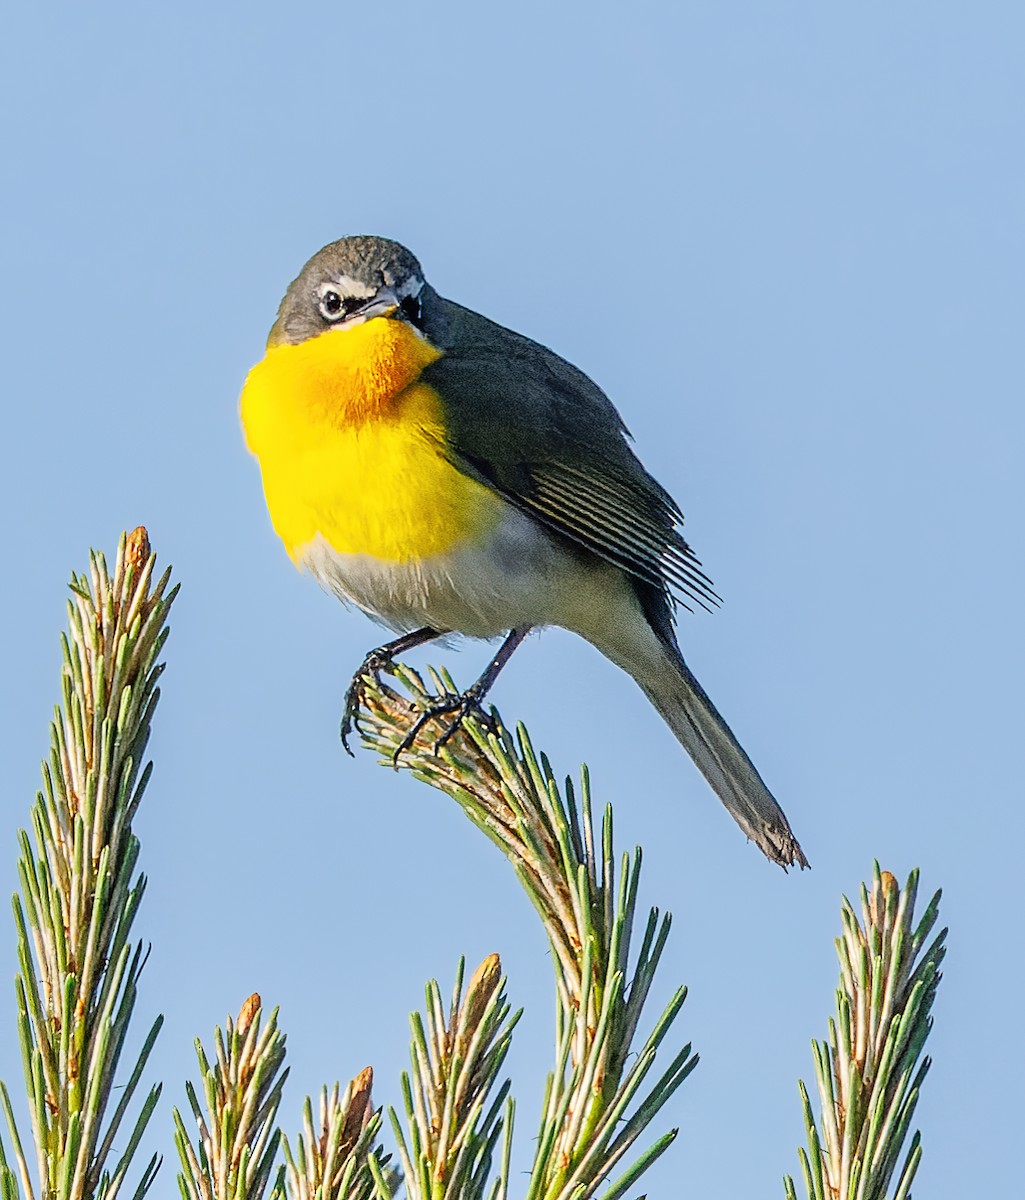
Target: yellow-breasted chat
{"points": [[447, 475]]}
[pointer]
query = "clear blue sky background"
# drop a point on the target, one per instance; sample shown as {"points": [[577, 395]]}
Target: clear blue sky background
{"points": [[788, 240]]}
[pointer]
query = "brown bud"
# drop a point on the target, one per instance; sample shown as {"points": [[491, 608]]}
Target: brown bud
{"points": [[485, 978], [361, 1107], [248, 1011], [137, 550], [479, 991], [877, 903]]}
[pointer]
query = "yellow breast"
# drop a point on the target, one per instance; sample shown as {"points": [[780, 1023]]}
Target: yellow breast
{"points": [[350, 446]]}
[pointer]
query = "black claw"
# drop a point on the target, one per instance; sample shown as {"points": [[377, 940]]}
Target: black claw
{"points": [[348, 724], [372, 666]]}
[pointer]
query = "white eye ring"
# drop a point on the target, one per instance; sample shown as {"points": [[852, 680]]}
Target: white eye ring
{"points": [[334, 306]]}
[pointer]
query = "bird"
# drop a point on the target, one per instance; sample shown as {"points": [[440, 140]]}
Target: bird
{"points": [[448, 475]]}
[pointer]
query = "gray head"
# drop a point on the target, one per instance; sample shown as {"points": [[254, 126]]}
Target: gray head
{"points": [[349, 282]]}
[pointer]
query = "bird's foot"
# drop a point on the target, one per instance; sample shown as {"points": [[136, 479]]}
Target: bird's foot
{"points": [[455, 705], [369, 671]]}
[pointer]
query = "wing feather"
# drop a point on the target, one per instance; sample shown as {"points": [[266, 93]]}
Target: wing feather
{"points": [[611, 518], [544, 435]]}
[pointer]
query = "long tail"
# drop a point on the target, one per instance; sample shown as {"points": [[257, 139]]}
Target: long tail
{"points": [[707, 738]]}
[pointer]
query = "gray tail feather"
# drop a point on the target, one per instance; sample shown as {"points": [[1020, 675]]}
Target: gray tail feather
{"points": [[706, 737]]}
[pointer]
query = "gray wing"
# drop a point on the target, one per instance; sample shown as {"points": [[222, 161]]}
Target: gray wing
{"points": [[567, 461]]}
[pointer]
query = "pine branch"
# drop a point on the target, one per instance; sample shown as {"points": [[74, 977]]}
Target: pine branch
{"points": [[871, 1070], [79, 970], [455, 1062], [596, 1105], [342, 1161], [238, 1136]]}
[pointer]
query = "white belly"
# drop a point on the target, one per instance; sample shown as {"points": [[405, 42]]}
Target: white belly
{"points": [[518, 577]]}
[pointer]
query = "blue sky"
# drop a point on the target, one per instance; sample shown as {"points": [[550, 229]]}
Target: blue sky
{"points": [[787, 239]]}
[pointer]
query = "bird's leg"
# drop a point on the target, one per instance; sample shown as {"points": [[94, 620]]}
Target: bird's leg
{"points": [[465, 702], [373, 664]]}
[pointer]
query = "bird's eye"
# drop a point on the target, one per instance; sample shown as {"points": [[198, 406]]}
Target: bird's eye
{"points": [[412, 310], [335, 307]]}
